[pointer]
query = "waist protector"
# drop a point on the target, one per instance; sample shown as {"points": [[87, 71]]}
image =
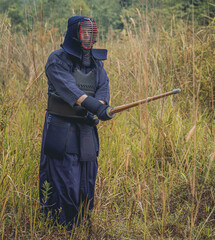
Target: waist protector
{"points": [[87, 83]]}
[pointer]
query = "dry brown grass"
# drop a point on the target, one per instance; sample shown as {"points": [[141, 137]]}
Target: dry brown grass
{"points": [[156, 165]]}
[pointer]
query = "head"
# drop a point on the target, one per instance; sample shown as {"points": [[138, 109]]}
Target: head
{"points": [[87, 32], [81, 35]]}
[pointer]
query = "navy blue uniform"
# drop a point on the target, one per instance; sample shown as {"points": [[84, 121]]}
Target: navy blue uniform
{"points": [[71, 181]]}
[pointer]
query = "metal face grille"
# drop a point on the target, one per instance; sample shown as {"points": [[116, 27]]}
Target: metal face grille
{"points": [[87, 33]]}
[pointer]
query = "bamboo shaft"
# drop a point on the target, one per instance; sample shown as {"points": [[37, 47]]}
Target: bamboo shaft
{"points": [[134, 104]]}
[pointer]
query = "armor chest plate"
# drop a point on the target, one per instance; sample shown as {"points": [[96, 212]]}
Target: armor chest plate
{"points": [[86, 82]]}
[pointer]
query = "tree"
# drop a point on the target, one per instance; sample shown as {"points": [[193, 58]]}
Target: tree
{"points": [[14, 9]]}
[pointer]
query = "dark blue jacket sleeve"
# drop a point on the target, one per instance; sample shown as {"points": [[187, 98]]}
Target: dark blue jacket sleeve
{"points": [[103, 90], [63, 82]]}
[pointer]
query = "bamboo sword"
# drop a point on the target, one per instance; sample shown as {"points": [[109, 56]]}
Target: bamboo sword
{"points": [[112, 111]]}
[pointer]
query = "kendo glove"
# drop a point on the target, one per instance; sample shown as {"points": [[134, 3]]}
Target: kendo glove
{"points": [[91, 120], [97, 108]]}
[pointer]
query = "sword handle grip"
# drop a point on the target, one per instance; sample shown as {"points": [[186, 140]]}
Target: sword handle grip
{"points": [[108, 112]]}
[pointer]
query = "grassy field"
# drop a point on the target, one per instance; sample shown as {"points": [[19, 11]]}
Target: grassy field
{"points": [[156, 177]]}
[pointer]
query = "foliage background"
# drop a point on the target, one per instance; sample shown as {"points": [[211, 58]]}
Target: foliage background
{"points": [[23, 13], [156, 166]]}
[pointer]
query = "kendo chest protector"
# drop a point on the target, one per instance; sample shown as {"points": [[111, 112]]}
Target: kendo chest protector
{"points": [[87, 83]]}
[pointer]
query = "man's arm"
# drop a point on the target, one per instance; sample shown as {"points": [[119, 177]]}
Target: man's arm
{"points": [[64, 83], [83, 97]]}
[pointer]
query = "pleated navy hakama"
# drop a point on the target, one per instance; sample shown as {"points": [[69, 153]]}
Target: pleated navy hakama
{"points": [[66, 184]]}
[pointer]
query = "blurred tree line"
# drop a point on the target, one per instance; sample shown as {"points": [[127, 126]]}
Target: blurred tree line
{"points": [[25, 14]]}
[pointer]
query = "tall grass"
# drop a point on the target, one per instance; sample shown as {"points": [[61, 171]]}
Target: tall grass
{"points": [[156, 165]]}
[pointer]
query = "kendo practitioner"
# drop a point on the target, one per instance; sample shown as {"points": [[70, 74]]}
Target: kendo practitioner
{"points": [[78, 89]]}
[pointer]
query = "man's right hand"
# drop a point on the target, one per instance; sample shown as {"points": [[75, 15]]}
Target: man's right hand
{"points": [[96, 107]]}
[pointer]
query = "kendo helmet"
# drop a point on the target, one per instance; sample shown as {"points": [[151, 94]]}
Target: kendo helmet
{"points": [[87, 32], [81, 34]]}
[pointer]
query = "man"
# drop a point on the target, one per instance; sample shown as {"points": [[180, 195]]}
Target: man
{"points": [[78, 89]]}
